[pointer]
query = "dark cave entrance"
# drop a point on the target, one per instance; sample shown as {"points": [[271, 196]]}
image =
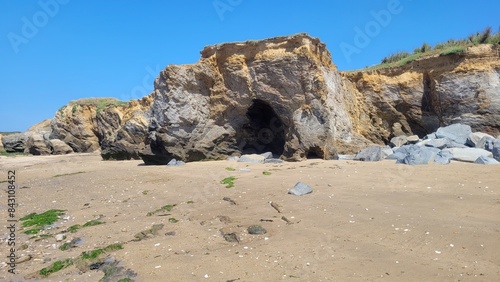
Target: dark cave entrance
{"points": [[265, 131]]}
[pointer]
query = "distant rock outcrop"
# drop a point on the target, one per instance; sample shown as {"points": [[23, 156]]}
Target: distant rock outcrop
{"points": [[117, 128]]}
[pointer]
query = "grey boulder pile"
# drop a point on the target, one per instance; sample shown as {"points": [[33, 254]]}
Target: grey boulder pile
{"points": [[454, 142]]}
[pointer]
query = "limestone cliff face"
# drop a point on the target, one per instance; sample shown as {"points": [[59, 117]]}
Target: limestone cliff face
{"points": [[282, 95], [433, 92]]}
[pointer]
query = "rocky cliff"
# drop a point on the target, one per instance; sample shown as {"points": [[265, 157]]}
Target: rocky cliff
{"points": [[432, 92], [282, 95]]}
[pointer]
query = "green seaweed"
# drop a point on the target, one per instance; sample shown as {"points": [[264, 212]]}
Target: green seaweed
{"points": [[165, 208], [55, 267], [39, 221], [228, 181]]}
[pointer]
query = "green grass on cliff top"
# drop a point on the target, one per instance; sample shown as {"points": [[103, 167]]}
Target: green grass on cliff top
{"points": [[450, 47], [100, 103]]}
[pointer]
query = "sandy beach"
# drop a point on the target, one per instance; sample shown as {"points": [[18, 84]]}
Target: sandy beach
{"points": [[364, 221]]}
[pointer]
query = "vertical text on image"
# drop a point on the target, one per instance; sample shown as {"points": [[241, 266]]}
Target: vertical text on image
{"points": [[11, 220]]}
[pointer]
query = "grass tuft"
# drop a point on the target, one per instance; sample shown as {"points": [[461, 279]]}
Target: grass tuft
{"points": [[100, 103], [449, 47]]}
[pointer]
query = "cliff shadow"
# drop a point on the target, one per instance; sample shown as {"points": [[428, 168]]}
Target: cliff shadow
{"points": [[264, 132]]}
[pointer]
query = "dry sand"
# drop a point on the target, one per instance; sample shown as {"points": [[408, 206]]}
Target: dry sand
{"points": [[363, 222]]}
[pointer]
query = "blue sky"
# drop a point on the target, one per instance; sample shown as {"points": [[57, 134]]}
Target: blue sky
{"points": [[55, 51]]}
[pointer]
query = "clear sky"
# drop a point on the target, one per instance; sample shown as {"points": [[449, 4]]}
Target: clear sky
{"points": [[55, 51]]}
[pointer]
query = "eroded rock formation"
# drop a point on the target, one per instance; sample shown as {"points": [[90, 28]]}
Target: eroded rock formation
{"points": [[282, 95], [429, 93]]}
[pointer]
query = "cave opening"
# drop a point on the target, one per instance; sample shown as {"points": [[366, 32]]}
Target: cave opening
{"points": [[315, 153], [264, 132]]}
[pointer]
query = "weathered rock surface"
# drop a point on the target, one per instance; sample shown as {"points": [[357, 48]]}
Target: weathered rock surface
{"points": [[433, 92], [117, 128], [174, 162], [458, 133], [300, 189], [485, 160], [283, 95], [399, 141], [416, 155], [413, 139], [58, 147], [443, 157], [252, 158], [496, 149], [370, 154], [486, 143], [468, 154], [37, 145], [475, 137], [15, 142]]}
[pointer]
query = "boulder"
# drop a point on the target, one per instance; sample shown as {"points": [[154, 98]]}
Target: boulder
{"points": [[397, 156], [475, 137], [343, 157], [233, 158], [485, 160], [121, 150], [36, 145], [457, 132], [496, 149], [16, 142], [468, 154], [252, 158], [413, 139], [439, 143], [417, 155], [398, 141], [430, 136], [267, 155], [443, 157], [157, 158], [370, 154], [300, 189], [174, 162], [386, 151], [58, 147], [486, 143], [273, 161], [1, 144]]}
